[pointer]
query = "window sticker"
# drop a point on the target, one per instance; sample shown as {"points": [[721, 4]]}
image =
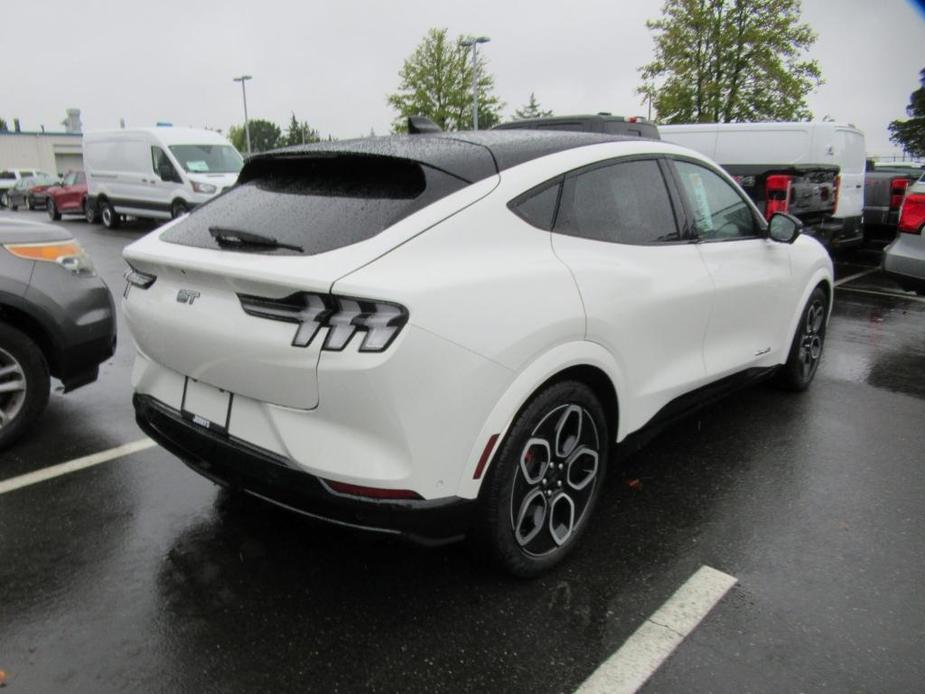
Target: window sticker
{"points": [[702, 217], [197, 166]]}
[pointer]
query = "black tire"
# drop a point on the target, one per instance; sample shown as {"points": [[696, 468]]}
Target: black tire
{"points": [[108, 215], [52, 210], [178, 208], [4, 200], [89, 212], [31, 370], [808, 342], [522, 496]]}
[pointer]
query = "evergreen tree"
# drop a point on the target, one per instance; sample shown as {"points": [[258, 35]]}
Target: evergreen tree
{"points": [[531, 110]]}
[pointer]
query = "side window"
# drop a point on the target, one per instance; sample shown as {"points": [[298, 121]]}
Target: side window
{"points": [[537, 206], [625, 202], [80, 178], [69, 179], [719, 211], [162, 165]]}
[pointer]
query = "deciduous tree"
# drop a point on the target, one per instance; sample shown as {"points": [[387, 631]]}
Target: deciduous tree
{"points": [[730, 60], [436, 81], [910, 134], [265, 136]]}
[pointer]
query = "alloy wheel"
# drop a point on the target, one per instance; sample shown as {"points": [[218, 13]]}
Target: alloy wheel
{"points": [[12, 387], [555, 480], [811, 339]]}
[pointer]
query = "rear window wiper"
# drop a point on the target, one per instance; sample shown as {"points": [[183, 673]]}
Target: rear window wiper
{"points": [[234, 238]]}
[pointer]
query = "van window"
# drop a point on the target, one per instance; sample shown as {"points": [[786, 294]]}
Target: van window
{"points": [[7, 176], [208, 158], [163, 166], [317, 204], [625, 202], [720, 213]]}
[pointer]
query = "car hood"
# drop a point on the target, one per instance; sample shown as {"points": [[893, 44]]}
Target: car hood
{"points": [[12, 231]]}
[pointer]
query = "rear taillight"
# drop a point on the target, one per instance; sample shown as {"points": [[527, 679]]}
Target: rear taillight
{"points": [[897, 191], [912, 213], [776, 195], [835, 188], [381, 321]]}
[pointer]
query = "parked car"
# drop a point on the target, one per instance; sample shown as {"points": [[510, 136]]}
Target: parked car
{"points": [[884, 187], [635, 126], [30, 191], [157, 173], [904, 258], [57, 319], [445, 335], [815, 171], [70, 197], [9, 178]]}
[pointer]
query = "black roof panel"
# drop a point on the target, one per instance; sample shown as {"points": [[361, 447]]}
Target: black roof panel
{"points": [[469, 155]]}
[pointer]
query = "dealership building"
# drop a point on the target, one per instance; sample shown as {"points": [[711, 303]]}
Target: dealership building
{"points": [[53, 152]]}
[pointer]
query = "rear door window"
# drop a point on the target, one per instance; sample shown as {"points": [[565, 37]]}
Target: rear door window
{"points": [[317, 204], [623, 202]]}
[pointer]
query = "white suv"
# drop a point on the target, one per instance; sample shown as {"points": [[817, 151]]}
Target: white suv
{"points": [[440, 335]]}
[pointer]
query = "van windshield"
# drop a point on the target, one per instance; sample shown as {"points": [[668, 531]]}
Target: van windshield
{"points": [[208, 158]]}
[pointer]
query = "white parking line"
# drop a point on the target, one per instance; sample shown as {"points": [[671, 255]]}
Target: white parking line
{"points": [[629, 668], [855, 276], [74, 465]]}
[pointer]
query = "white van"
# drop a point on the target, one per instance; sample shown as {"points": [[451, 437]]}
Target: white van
{"points": [[159, 173], [812, 170]]}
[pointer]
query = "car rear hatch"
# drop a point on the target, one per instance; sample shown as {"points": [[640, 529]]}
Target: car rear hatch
{"points": [[233, 288]]}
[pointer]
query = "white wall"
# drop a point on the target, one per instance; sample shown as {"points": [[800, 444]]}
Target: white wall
{"points": [[39, 150]]}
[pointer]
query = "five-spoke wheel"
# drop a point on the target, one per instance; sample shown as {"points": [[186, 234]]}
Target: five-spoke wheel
{"points": [[544, 480]]}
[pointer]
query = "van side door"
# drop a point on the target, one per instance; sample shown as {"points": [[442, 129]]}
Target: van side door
{"points": [[166, 179]]}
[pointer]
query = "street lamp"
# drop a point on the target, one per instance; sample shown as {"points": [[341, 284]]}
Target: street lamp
{"points": [[474, 41], [247, 128]]}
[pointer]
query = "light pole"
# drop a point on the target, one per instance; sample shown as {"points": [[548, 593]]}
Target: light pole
{"points": [[474, 41], [247, 128]]}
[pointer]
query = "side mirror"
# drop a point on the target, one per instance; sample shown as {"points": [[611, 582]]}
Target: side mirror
{"points": [[784, 228]]}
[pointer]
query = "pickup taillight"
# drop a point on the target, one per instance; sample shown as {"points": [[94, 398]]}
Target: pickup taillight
{"points": [[776, 195], [912, 213], [897, 191]]}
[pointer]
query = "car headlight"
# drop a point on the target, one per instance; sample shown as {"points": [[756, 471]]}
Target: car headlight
{"points": [[206, 188], [68, 254]]}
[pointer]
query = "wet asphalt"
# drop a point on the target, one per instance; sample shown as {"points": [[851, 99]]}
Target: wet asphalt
{"points": [[138, 575]]}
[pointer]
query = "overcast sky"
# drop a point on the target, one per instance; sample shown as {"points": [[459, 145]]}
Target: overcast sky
{"points": [[332, 63]]}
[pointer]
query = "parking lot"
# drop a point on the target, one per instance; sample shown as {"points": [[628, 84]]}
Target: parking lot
{"points": [[135, 574]]}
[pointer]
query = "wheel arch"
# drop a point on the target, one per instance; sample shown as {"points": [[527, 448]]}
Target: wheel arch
{"points": [[820, 278], [583, 361], [32, 327]]}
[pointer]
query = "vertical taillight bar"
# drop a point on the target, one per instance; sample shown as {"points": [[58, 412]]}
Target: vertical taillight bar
{"points": [[897, 191], [776, 195]]}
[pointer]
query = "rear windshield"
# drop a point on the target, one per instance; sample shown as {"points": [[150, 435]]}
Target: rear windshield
{"points": [[316, 204]]}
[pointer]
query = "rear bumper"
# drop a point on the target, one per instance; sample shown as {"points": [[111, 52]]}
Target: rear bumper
{"points": [[234, 463], [904, 261], [839, 232]]}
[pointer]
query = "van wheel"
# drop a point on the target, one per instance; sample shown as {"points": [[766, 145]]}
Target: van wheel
{"points": [[53, 213], [24, 384], [89, 212], [109, 215], [177, 209], [544, 482]]}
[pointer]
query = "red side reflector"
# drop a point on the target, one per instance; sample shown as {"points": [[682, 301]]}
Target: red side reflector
{"points": [[371, 492], [486, 454]]}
